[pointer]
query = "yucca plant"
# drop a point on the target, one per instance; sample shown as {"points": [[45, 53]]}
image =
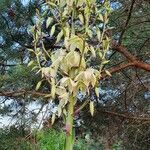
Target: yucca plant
{"points": [[79, 27]]}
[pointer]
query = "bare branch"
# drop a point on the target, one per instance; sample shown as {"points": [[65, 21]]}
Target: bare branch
{"points": [[20, 93], [126, 116], [127, 21], [132, 59]]}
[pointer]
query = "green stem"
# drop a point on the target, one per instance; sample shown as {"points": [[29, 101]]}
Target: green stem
{"points": [[69, 125]]}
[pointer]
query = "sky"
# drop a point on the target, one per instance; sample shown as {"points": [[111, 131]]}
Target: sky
{"points": [[25, 2]]}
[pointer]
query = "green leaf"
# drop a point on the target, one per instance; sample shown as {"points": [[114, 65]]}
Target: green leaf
{"points": [[93, 81], [93, 51], [76, 41], [97, 91], [81, 18], [100, 55], [99, 34], [64, 112], [105, 62], [64, 81], [80, 76], [30, 63], [106, 44], [92, 108], [60, 90], [100, 17], [83, 63], [67, 30], [53, 118], [65, 12], [72, 86], [73, 46], [64, 66], [38, 85], [59, 111], [90, 33], [52, 4], [52, 30], [34, 68], [47, 95], [107, 72], [53, 88], [73, 59], [31, 50], [82, 87], [59, 36], [64, 98], [49, 21], [37, 12], [80, 3]]}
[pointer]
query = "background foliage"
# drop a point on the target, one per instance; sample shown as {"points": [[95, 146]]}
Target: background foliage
{"points": [[124, 98]]}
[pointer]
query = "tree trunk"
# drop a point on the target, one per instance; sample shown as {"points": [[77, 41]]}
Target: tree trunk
{"points": [[69, 142]]}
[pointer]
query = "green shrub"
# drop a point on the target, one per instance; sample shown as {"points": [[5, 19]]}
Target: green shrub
{"points": [[50, 140], [12, 139], [54, 140]]}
